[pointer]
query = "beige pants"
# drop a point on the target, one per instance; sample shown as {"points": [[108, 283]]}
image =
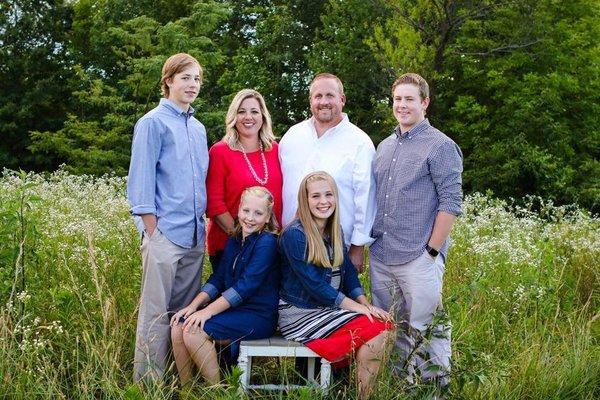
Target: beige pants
{"points": [[413, 291], [170, 280]]}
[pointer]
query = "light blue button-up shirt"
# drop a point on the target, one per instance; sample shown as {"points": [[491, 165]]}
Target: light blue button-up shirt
{"points": [[167, 173]]}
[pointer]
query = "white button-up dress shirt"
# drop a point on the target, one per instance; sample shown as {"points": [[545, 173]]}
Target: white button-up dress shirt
{"points": [[346, 153]]}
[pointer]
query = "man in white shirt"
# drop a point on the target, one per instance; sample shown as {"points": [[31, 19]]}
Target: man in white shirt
{"points": [[329, 142]]}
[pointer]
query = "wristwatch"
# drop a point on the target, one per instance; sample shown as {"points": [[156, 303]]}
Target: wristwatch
{"points": [[432, 252]]}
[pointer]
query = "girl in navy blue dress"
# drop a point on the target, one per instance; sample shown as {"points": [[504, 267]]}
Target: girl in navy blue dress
{"points": [[239, 300]]}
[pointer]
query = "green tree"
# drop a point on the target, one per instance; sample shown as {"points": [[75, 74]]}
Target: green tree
{"points": [[514, 83], [532, 92], [279, 37], [342, 46], [34, 70], [111, 96]]}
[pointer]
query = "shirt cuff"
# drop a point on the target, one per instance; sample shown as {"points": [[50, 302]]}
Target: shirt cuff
{"points": [[210, 289], [360, 239], [143, 209], [453, 209], [214, 211], [356, 292], [338, 300], [233, 297]]}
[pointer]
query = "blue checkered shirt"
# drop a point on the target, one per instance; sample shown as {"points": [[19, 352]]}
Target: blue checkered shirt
{"points": [[418, 174]]}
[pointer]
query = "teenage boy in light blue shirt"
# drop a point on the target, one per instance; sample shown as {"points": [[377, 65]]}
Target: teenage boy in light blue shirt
{"points": [[167, 192]]}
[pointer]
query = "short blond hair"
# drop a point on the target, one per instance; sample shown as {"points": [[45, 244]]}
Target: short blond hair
{"points": [[317, 252], [174, 65], [413, 79], [265, 135], [326, 75]]}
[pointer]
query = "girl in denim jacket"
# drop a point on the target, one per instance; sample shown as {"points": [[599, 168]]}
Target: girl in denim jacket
{"points": [[322, 303], [239, 300]]}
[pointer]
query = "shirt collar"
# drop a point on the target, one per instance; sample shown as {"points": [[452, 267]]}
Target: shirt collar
{"points": [[420, 127], [329, 131], [175, 108]]}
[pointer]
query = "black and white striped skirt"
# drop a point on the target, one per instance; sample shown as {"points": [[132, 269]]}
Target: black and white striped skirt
{"points": [[304, 324]]}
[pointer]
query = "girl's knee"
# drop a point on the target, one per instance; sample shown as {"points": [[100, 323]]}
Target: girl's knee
{"points": [[369, 353], [377, 344], [176, 334], [195, 338]]}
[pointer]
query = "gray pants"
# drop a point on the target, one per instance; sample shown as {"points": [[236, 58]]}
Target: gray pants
{"points": [[170, 280], [413, 292]]}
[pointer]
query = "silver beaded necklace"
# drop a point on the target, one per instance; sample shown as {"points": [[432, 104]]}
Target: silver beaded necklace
{"points": [[264, 163]]}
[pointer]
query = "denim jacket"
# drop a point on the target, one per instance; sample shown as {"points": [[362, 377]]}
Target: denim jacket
{"points": [[247, 274], [306, 285]]}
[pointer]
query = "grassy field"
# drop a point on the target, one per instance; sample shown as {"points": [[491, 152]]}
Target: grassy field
{"points": [[522, 289]]}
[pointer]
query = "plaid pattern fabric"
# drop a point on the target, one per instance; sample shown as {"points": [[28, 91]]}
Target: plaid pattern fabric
{"points": [[418, 174]]}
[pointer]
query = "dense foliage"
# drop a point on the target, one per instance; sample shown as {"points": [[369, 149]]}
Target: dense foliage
{"points": [[522, 288], [515, 83]]}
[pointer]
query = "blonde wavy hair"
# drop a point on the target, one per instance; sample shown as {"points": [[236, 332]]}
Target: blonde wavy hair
{"points": [[265, 135], [317, 252], [261, 193]]}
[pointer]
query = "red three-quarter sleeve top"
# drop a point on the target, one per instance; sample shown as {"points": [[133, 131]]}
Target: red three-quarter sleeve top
{"points": [[228, 176]]}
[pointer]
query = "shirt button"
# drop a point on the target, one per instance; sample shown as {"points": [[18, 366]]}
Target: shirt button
{"points": [[390, 178], [393, 159], [385, 215], [386, 196]]}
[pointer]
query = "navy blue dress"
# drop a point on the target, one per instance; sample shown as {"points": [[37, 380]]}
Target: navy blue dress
{"points": [[248, 277]]}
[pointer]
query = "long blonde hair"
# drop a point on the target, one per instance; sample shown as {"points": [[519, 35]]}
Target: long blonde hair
{"points": [[261, 193], [265, 135], [317, 252]]}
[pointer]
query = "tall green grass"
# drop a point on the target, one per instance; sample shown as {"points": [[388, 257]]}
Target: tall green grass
{"points": [[522, 289]]}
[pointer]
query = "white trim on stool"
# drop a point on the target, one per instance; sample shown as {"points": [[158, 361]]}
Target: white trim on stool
{"points": [[277, 346]]}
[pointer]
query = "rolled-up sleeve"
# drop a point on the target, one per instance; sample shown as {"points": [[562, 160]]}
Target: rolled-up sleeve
{"points": [[293, 245], [141, 181], [211, 290], [363, 183], [446, 166], [258, 268]]}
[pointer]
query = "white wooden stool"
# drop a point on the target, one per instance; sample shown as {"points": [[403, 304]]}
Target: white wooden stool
{"points": [[279, 347]]}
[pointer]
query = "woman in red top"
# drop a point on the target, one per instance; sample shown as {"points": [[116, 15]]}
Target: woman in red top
{"points": [[246, 156]]}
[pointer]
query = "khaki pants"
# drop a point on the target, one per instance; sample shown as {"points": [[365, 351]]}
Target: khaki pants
{"points": [[170, 280], [413, 291]]}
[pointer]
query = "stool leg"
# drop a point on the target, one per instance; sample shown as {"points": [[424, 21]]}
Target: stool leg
{"points": [[325, 374], [245, 364], [311, 369]]}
